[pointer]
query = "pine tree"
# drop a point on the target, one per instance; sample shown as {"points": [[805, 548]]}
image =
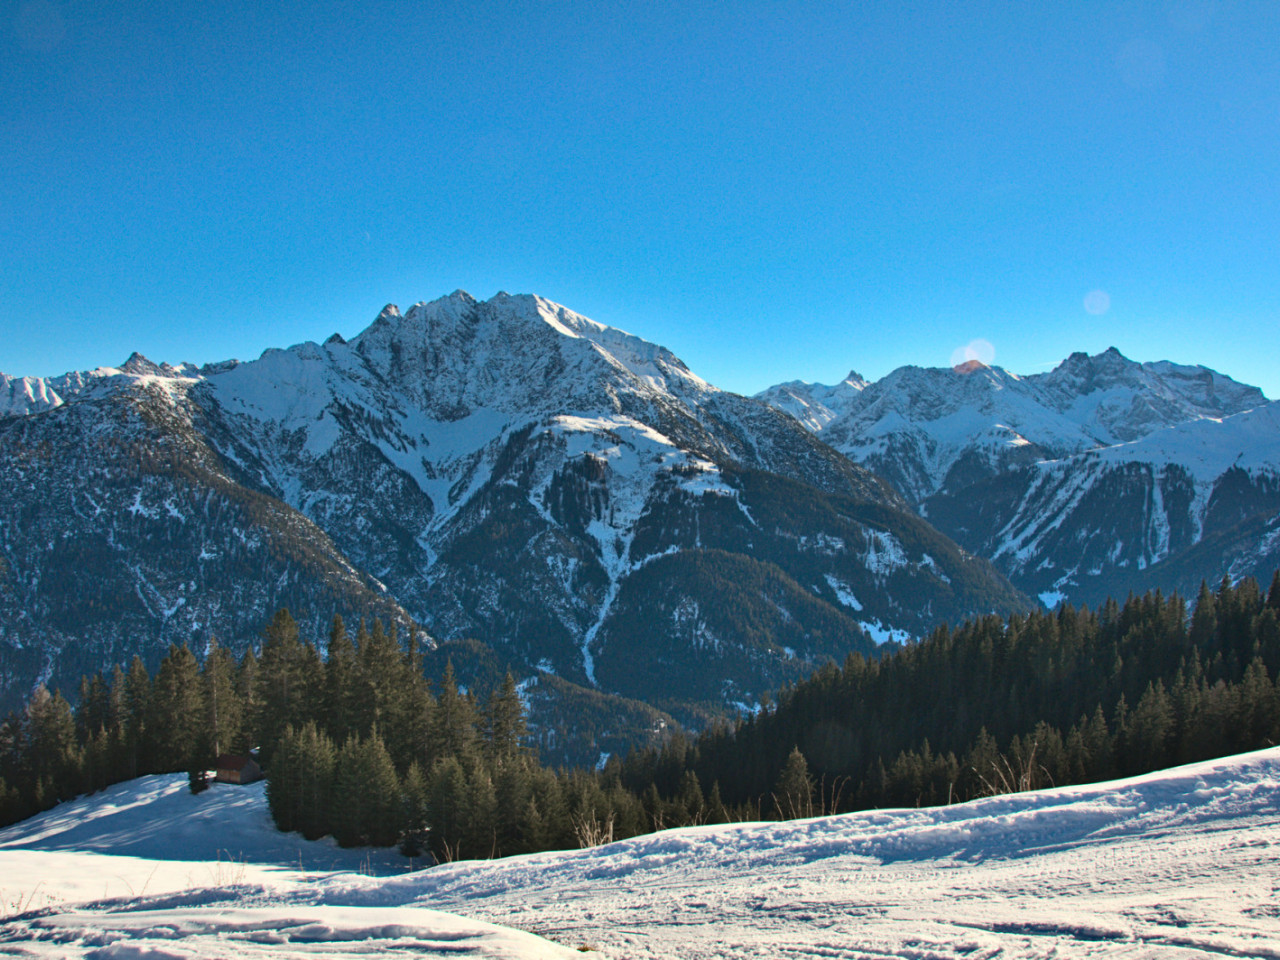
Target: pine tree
{"points": [[53, 749], [177, 714], [365, 794], [480, 835], [1204, 620], [93, 713], [137, 702], [453, 730], [414, 813], [505, 724], [340, 681], [315, 800], [282, 781], [282, 682], [793, 793], [223, 707], [446, 806], [247, 690], [1273, 594]]}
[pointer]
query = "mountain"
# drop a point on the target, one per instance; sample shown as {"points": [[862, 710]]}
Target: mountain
{"points": [[1100, 476], [1185, 503], [510, 472], [122, 531], [814, 404]]}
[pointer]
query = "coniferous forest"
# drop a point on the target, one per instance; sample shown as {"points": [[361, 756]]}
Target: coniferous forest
{"points": [[358, 744]]}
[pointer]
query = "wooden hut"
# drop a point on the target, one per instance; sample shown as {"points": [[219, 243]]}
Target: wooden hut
{"points": [[235, 768]]}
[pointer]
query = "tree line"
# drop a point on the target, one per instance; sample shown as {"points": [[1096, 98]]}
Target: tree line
{"points": [[358, 744], [995, 705]]}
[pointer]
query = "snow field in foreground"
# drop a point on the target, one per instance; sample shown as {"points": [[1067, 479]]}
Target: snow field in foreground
{"points": [[1183, 863]]}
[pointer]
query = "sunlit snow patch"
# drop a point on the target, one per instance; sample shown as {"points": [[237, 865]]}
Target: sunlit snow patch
{"points": [[878, 632], [843, 593]]}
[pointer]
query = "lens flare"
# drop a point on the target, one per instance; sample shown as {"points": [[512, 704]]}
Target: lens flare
{"points": [[1097, 302], [975, 350]]}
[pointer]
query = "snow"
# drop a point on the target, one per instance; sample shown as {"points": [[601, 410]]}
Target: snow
{"points": [[881, 634], [137, 507], [1175, 864], [884, 553], [1209, 447], [923, 421], [1051, 598], [635, 456], [843, 592]]}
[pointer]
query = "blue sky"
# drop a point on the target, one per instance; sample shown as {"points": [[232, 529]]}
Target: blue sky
{"points": [[773, 190]]}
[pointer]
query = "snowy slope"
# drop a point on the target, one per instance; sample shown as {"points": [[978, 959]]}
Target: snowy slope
{"points": [[1175, 864]]}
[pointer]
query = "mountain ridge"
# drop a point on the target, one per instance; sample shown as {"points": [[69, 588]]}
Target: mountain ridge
{"points": [[512, 472], [1086, 481]]}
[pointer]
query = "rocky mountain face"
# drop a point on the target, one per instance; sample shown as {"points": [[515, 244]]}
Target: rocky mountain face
{"points": [[1101, 476], [122, 531], [571, 498]]}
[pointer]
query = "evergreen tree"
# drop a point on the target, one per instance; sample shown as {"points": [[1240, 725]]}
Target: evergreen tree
{"points": [[223, 707], [248, 735], [504, 722], [366, 794], [414, 813], [54, 752], [793, 793], [315, 799], [340, 682], [137, 702], [453, 729], [1204, 620], [176, 711], [446, 808], [282, 682], [1273, 594]]}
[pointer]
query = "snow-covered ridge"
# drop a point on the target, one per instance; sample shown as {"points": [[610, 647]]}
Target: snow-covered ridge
{"points": [[917, 425], [1172, 864], [1166, 484], [1209, 447], [20, 396], [814, 404]]}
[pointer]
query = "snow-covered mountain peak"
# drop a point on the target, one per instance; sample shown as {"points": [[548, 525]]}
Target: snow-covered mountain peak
{"points": [[815, 404], [926, 428], [1209, 447], [138, 365], [457, 353]]}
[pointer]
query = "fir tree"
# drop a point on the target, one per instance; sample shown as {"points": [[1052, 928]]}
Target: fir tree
{"points": [[793, 793], [453, 729], [176, 711], [282, 682], [223, 707], [504, 721], [340, 680], [414, 813]]}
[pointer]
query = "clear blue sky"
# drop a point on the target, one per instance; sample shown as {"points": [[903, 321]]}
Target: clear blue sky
{"points": [[773, 190]]}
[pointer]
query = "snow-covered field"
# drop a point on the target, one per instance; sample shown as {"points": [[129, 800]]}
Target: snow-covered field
{"points": [[1183, 863]]}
